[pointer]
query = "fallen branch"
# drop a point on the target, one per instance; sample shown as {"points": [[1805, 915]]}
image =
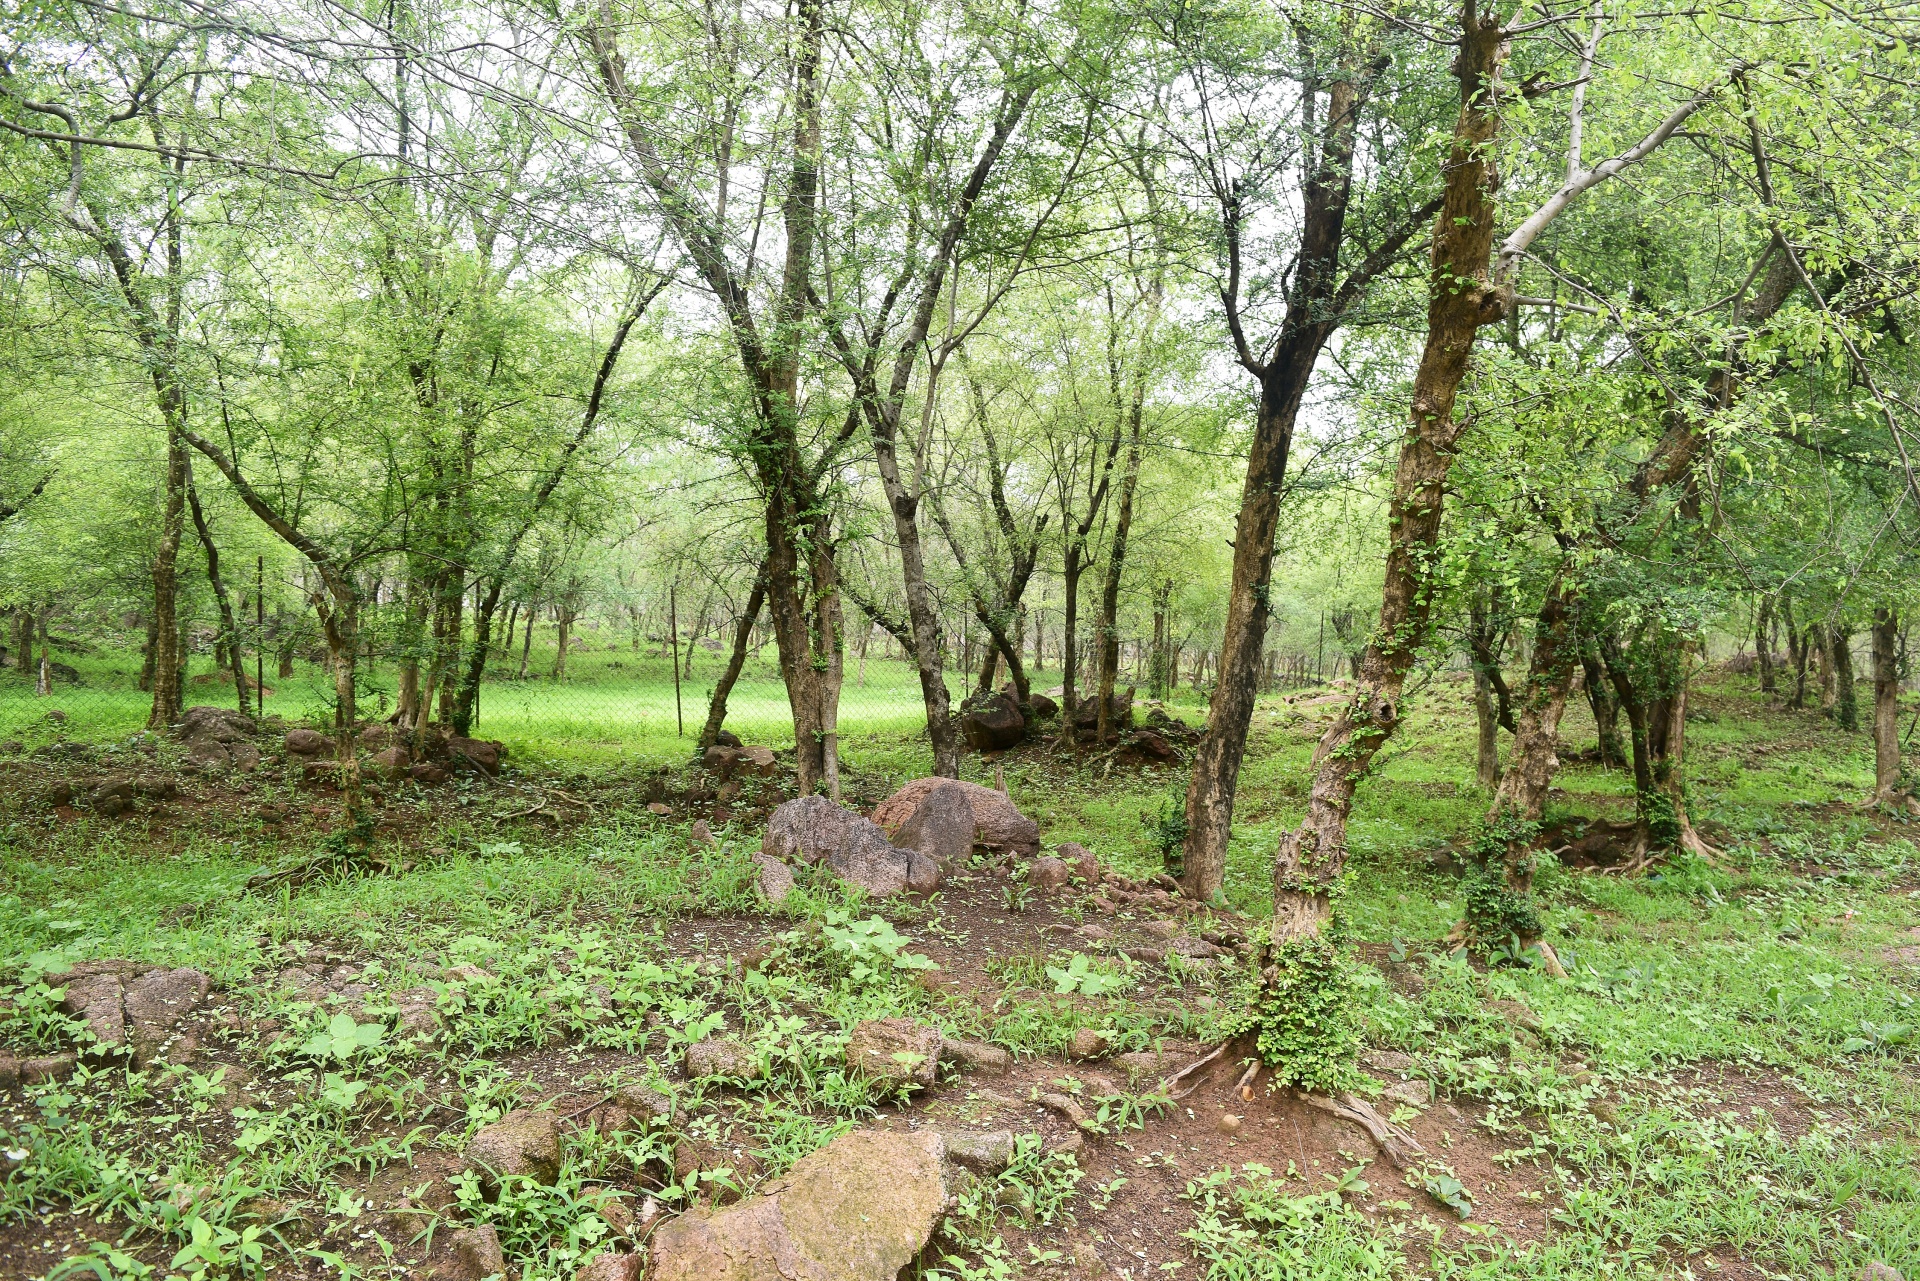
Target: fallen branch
{"points": [[1212, 1056]]}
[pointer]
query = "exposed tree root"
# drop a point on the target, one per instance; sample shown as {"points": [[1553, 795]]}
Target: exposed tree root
{"points": [[1168, 1085], [1396, 1144]]}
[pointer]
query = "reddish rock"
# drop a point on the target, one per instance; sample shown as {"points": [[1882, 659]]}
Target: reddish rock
{"points": [[1047, 875], [997, 822]]}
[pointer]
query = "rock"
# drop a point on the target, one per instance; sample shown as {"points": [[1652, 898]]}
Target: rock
{"points": [[1144, 1065], [1041, 707], [9, 1073], [610, 1267], [1515, 1013], [97, 999], [727, 738], [975, 1056], [859, 1209], [391, 763], [806, 830], [523, 1142], [47, 1067], [701, 835], [1386, 1061], [476, 1254], [1194, 949], [308, 742], [155, 1002], [1086, 714], [992, 723], [405, 1189], [221, 724], [940, 826], [874, 1045], [723, 1057], [635, 1107], [693, 1155], [1877, 1271], [997, 824], [1415, 1093], [1093, 932], [759, 761], [1088, 1043], [1171, 728], [1080, 861], [1062, 1105], [984, 1154], [112, 798], [923, 873], [483, 754], [429, 774], [772, 878], [1147, 746], [1047, 875], [721, 761], [659, 809], [1072, 1144], [1160, 929]]}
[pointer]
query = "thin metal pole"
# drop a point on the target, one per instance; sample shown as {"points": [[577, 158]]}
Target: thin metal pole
{"points": [[260, 636], [673, 627]]}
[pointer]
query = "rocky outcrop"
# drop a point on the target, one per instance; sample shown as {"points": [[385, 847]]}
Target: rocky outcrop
{"points": [[997, 823], [859, 1209], [813, 829], [218, 738], [128, 1006]]}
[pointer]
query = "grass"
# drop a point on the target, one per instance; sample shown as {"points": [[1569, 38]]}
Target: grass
{"points": [[1778, 966]]}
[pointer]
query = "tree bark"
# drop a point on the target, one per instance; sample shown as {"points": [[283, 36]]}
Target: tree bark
{"points": [[1763, 643], [229, 631], [1462, 297], [1886, 705], [742, 643], [1846, 704], [1108, 626]]}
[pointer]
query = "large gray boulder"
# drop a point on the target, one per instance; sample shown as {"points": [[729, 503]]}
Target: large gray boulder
{"points": [[941, 826], [859, 1209], [812, 829], [997, 823]]}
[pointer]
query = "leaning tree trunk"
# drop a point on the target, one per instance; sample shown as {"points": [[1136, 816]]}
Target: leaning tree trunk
{"points": [[1461, 298], [742, 643], [229, 632], [1109, 624], [1605, 708], [1886, 705]]}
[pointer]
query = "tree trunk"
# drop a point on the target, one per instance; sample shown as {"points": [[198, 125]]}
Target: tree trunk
{"points": [[1486, 756], [1069, 636], [526, 639], [229, 631], [1606, 710], [1763, 643], [564, 613], [1461, 298], [1798, 642], [1109, 625], [1523, 791], [1846, 705], [742, 638], [1886, 706], [167, 657], [1823, 650]]}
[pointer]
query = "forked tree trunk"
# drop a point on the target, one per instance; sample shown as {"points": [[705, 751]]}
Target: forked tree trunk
{"points": [[1604, 706], [1461, 298], [1886, 705]]}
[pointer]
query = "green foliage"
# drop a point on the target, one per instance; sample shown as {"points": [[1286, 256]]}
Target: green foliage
{"points": [[1301, 1013], [343, 1038], [872, 951], [1088, 977], [1249, 1227], [1167, 828]]}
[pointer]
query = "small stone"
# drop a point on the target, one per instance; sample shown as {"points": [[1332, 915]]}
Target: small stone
{"points": [[1386, 1061], [723, 1057], [1878, 1271], [985, 1154], [659, 808], [701, 836], [1047, 874], [976, 1056], [1415, 1093], [1142, 1065], [894, 1052], [523, 1142], [1093, 933], [1086, 868], [638, 1107], [1227, 1124], [610, 1267], [1072, 1144], [1063, 1106], [1102, 904], [477, 1254], [1160, 929], [46, 1067], [1088, 1043], [1515, 1013]]}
